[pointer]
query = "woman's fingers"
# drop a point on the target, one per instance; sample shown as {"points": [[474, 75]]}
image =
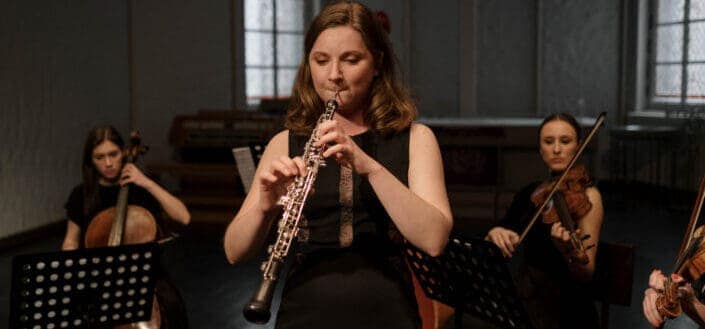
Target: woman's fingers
{"points": [[337, 140], [300, 165], [559, 232], [337, 150], [286, 166], [331, 137], [512, 240], [686, 292], [504, 239], [504, 248], [493, 237], [656, 280], [282, 171], [325, 127], [499, 241], [267, 179], [649, 308]]}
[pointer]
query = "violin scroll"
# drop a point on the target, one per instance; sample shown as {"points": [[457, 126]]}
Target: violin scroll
{"points": [[667, 304], [577, 254]]}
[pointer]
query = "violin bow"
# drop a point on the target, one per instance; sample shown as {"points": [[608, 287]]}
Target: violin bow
{"points": [[687, 246], [598, 123]]}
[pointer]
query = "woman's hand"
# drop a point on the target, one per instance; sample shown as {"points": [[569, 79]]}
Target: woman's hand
{"points": [[691, 304], [561, 237], [657, 280], [132, 174], [343, 149], [173, 207], [505, 239], [686, 293], [275, 179], [649, 307]]}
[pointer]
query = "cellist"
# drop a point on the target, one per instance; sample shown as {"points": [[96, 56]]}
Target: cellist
{"points": [[104, 171], [552, 282]]}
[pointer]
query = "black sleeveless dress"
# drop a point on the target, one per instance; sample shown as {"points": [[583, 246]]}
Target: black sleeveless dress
{"points": [[553, 300], [348, 270]]}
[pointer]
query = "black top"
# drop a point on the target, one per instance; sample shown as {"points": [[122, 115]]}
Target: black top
{"points": [[107, 197], [349, 270], [324, 208], [171, 305], [553, 300], [540, 251]]}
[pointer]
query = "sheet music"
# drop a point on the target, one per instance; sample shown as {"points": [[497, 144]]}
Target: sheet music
{"points": [[245, 166]]}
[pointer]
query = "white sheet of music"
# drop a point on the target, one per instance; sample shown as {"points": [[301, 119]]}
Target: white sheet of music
{"points": [[245, 165]]}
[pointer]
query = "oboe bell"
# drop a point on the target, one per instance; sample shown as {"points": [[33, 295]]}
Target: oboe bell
{"points": [[258, 309]]}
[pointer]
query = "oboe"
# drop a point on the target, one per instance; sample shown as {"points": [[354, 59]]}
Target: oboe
{"points": [[258, 309]]}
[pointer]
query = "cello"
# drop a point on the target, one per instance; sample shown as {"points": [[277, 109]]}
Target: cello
{"points": [[126, 224]]}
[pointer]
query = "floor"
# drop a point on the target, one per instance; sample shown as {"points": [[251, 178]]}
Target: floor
{"points": [[651, 220]]}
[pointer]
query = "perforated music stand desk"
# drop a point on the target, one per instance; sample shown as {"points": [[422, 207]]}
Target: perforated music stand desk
{"points": [[472, 276], [87, 288]]}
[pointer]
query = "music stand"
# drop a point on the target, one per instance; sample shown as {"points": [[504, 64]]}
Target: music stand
{"points": [[87, 288], [246, 160], [472, 276]]}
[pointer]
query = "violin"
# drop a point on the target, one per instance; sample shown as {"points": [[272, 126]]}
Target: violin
{"points": [[668, 304], [125, 224], [690, 263], [569, 201], [572, 185], [573, 190]]}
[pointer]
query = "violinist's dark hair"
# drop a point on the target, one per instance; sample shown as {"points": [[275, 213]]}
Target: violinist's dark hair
{"points": [[91, 175], [567, 118]]}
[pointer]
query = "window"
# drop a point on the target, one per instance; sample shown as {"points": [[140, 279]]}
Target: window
{"points": [[274, 32], [677, 63]]}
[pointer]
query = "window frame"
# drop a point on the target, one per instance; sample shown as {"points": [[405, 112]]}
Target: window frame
{"points": [[310, 7], [669, 108]]}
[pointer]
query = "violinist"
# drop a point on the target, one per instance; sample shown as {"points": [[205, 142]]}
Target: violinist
{"points": [[104, 171], [552, 283], [690, 302]]}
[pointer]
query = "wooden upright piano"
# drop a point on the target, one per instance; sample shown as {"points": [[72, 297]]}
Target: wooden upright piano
{"points": [[203, 170]]}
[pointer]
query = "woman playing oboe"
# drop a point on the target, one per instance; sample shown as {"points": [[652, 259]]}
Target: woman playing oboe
{"points": [[383, 183]]}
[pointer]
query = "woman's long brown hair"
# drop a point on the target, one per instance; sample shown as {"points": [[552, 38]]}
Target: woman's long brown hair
{"points": [[390, 106]]}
